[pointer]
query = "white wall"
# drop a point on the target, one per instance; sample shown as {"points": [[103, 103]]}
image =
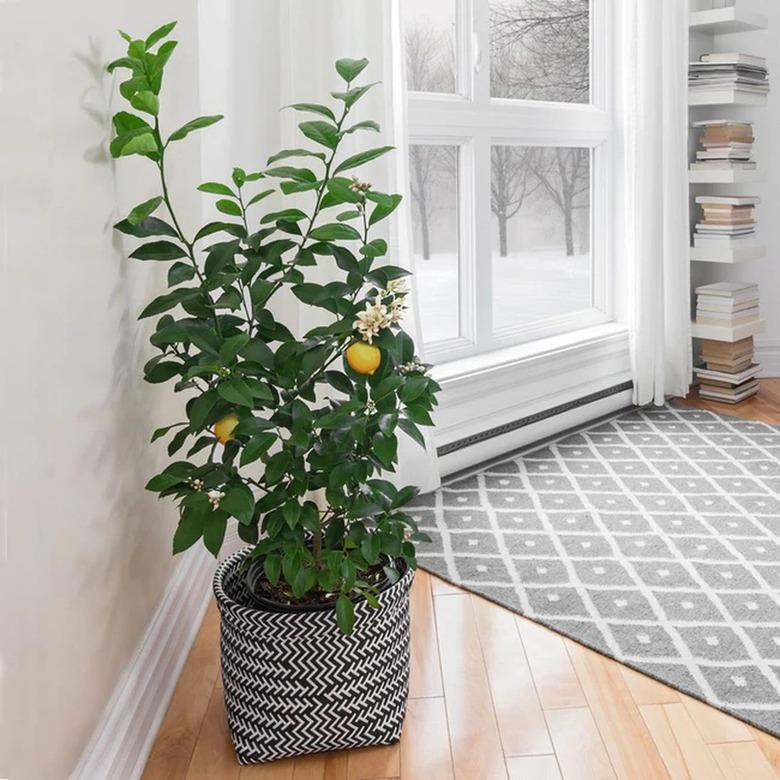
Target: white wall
{"points": [[765, 272], [87, 549]]}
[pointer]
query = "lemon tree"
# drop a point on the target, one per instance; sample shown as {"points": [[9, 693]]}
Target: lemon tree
{"points": [[271, 416]]}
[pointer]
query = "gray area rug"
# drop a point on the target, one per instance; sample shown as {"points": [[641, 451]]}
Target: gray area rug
{"points": [[651, 537]]}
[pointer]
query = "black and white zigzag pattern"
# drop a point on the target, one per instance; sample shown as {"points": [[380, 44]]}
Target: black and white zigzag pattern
{"points": [[294, 684]]}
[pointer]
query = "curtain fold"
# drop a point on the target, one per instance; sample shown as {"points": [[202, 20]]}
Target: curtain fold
{"points": [[652, 88], [327, 31]]}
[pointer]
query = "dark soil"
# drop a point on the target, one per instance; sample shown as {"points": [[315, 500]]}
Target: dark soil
{"points": [[280, 594]]}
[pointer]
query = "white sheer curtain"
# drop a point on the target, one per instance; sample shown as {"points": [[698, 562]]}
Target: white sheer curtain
{"points": [[652, 41], [327, 31]]}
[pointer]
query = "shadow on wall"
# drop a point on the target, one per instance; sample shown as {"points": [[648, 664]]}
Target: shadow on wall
{"points": [[121, 460]]}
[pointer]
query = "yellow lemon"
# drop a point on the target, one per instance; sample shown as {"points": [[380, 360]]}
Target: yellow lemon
{"points": [[223, 429], [363, 358]]}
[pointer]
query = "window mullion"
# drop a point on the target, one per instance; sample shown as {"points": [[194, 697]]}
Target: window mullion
{"points": [[482, 250]]}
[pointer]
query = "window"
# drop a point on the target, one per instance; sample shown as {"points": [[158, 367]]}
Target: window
{"points": [[509, 126]]}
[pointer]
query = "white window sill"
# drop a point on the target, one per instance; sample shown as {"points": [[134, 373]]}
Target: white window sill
{"points": [[490, 364]]}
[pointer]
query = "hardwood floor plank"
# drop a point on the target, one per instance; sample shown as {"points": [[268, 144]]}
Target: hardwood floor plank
{"points": [[646, 690], [631, 749], [533, 768], [441, 587], [425, 668], [661, 730], [176, 740], [476, 746], [214, 755], [770, 747], [698, 758], [425, 742], [578, 746], [714, 725], [520, 718], [554, 676], [321, 766], [276, 770], [743, 761], [374, 763]]}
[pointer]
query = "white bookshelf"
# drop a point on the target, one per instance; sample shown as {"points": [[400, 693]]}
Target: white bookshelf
{"points": [[722, 333], [722, 21], [725, 255], [716, 176], [725, 97]]}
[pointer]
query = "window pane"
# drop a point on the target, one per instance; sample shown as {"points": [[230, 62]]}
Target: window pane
{"points": [[540, 50], [434, 189], [540, 199], [429, 30]]}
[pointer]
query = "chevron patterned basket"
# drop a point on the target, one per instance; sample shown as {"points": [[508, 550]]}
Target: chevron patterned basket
{"points": [[294, 684]]}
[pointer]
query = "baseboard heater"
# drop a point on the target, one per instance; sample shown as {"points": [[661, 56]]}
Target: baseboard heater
{"points": [[523, 422]]}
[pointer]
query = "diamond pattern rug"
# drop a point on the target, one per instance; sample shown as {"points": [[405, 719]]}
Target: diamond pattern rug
{"points": [[651, 537]]}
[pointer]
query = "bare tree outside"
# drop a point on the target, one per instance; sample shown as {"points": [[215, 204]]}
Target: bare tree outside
{"points": [[540, 50], [564, 172], [512, 179]]}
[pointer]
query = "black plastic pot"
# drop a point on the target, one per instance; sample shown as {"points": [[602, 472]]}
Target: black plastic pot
{"points": [[294, 684]]}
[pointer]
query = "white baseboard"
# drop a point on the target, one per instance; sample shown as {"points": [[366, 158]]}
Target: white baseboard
{"points": [[123, 739], [768, 355]]}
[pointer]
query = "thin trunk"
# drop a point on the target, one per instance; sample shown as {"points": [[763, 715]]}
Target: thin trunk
{"points": [[426, 235], [502, 242], [568, 227]]}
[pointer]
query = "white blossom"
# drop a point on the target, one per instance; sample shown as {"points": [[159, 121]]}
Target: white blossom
{"points": [[215, 496]]}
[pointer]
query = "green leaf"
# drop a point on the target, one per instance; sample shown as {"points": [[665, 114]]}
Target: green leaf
{"points": [[165, 302], [236, 391], [345, 614], [141, 142], [239, 503], [180, 272], [291, 172], [143, 210], [164, 481], [162, 372], [159, 34], [272, 566], [411, 430], [159, 60], [291, 511], [367, 124], [229, 207], [287, 153], [412, 388], [288, 215], [384, 209], [335, 231], [385, 448], [313, 108], [353, 95], [321, 133], [194, 124], [191, 524], [151, 226], [147, 102], [231, 347], [239, 177], [160, 432], [217, 227], [256, 447], [201, 409], [214, 531], [257, 198], [124, 62], [362, 157], [349, 69], [216, 188], [158, 250], [277, 466]]}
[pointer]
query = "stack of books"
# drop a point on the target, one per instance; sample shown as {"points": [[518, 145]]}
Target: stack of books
{"points": [[728, 374], [727, 304], [726, 145], [717, 72], [728, 221]]}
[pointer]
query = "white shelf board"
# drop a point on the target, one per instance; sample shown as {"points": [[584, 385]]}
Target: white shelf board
{"points": [[723, 176], [725, 97], [723, 333], [721, 21], [726, 255]]}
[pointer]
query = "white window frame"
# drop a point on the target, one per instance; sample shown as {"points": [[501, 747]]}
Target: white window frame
{"points": [[474, 121]]}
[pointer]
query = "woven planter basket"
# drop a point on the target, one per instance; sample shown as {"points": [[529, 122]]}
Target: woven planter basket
{"points": [[294, 684]]}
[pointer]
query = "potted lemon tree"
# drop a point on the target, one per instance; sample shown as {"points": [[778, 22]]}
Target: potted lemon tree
{"points": [[287, 435]]}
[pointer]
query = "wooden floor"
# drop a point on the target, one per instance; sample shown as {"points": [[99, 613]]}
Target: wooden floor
{"points": [[493, 695]]}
